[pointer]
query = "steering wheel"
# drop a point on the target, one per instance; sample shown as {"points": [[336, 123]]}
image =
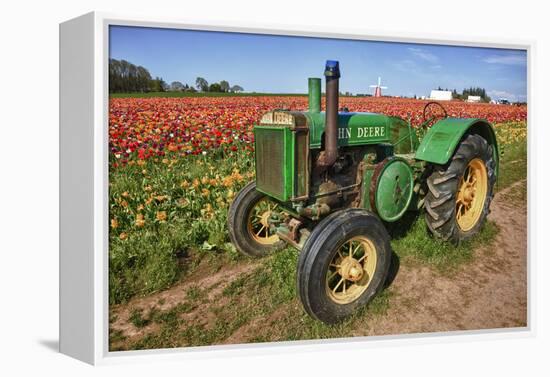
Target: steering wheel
{"points": [[429, 110]]}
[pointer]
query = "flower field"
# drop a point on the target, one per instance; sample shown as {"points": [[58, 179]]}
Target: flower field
{"points": [[176, 164], [141, 128]]}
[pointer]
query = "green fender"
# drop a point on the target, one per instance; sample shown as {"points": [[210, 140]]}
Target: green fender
{"points": [[443, 137]]}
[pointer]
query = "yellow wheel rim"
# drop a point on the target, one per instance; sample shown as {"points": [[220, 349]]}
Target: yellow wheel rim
{"points": [[351, 270], [471, 195], [258, 222]]}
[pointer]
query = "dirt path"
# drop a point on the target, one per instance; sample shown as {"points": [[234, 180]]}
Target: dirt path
{"points": [[489, 292]]}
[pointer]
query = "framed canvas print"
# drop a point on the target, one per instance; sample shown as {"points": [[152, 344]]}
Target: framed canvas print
{"points": [[224, 187]]}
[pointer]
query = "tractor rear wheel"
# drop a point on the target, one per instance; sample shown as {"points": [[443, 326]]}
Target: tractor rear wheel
{"points": [[248, 223], [460, 192], [343, 265]]}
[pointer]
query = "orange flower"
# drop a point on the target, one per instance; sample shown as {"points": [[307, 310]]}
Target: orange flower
{"points": [[123, 236], [205, 192], [227, 181], [184, 184], [114, 223], [161, 215], [140, 221]]}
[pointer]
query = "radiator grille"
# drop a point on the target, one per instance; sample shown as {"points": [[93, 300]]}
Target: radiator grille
{"points": [[270, 174]]}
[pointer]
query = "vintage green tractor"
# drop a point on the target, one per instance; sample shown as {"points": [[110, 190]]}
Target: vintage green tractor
{"points": [[329, 183]]}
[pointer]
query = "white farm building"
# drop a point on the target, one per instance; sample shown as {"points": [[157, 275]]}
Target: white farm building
{"points": [[441, 95], [473, 99]]}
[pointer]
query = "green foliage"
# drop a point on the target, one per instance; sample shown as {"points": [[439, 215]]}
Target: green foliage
{"points": [[160, 209], [201, 84], [215, 87], [137, 319], [415, 241], [125, 77]]}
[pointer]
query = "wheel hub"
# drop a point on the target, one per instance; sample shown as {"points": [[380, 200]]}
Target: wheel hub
{"points": [[471, 194], [265, 218], [351, 269]]}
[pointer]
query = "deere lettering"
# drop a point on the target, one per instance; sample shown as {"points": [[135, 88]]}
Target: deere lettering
{"points": [[362, 132]]}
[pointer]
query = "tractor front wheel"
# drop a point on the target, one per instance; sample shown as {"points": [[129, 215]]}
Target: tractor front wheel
{"points": [[460, 192], [343, 265], [248, 223]]}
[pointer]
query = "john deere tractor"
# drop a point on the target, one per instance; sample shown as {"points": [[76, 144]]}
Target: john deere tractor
{"points": [[329, 183]]}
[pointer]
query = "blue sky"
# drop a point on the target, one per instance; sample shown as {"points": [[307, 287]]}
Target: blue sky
{"points": [[278, 64]]}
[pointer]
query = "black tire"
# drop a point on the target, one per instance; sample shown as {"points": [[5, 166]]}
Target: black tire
{"points": [[443, 186], [237, 221], [322, 246]]}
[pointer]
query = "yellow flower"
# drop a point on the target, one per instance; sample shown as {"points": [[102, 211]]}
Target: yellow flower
{"points": [[205, 192], [204, 180], [196, 183], [125, 194], [213, 182], [161, 215], [140, 221], [140, 207], [161, 198], [230, 194], [165, 161], [123, 236], [141, 162], [124, 203], [114, 223], [184, 184], [147, 188]]}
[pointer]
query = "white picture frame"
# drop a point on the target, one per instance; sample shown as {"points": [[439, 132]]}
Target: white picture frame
{"points": [[84, 320]]}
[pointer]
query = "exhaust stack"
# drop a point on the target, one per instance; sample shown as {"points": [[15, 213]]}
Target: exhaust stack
{"points": [[332, 76], [314, 94]]}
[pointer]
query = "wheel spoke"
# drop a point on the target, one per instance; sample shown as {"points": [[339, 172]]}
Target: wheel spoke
{"points": [[333, 275], [459, 210], [259, 231], [337, 285], [355, 250]]}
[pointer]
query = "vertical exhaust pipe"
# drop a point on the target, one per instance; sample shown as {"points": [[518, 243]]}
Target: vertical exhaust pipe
{"points": [[332, 76], [314, 95]]}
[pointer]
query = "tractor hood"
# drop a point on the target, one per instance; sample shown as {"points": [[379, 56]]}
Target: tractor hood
{"points": [[354, 128]]}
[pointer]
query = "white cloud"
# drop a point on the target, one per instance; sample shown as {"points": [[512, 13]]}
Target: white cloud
{"points": [[423, 54], [509, 59]]}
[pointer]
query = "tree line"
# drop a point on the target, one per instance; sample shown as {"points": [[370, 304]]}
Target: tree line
{"points": [[125, 77]]}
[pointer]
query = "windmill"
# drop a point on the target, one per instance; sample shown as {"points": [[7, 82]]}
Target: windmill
{"points": [[379, 87]]}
